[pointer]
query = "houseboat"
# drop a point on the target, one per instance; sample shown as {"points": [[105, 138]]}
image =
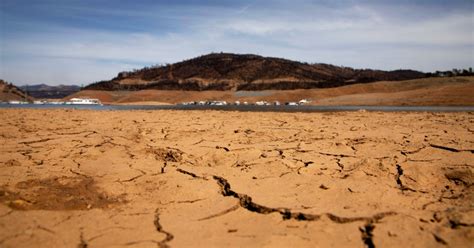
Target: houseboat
{"points": [[17, 102], [303, 101], [39, 102], [84, 101]]}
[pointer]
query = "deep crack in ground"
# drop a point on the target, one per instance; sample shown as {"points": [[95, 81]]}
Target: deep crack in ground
{"points": [[246, 202], [160, 229], [367, 235]]}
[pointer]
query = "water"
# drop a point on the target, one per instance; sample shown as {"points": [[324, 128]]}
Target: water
{"points": [[252, 93], [251, 108]]}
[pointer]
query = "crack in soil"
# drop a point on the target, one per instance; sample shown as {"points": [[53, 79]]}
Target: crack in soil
{"points": [[439, 239], [367, 235], [406, 153], [399, 180], [339, 164], [246, 202], [399, 174], [233, 208], [79, 174], [160, 229], [336, 155], [223, 147], [190, 174], [82, 243], [35, 141], [130, 179], [77, 133], [133, 243], [451, 149]]}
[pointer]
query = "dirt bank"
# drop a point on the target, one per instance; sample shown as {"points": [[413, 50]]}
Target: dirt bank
{"points": [[455, 91]]}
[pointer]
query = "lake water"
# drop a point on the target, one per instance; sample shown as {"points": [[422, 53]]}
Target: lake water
{"points": [[252, 108]]}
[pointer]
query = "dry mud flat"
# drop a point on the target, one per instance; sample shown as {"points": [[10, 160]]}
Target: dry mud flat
{"points": [[73, 178]]}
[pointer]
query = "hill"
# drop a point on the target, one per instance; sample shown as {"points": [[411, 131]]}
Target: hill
{"points": [[9, 92], [47, 91], [226, 71]]}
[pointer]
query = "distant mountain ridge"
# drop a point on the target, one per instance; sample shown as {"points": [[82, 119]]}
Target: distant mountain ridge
{"points": [[227, 71], [48, 91]]}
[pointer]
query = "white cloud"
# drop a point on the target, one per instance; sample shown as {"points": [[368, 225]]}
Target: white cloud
{"points": [[358, 36]]}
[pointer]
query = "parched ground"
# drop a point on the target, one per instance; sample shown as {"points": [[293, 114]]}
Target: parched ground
{"points": [[71, 178]]}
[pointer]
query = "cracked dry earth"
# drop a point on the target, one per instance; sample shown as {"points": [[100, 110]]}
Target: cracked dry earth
{"points": [[72, 178]]}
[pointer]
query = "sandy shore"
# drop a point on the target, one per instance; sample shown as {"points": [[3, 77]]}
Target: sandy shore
{"points": [[77, 178]]}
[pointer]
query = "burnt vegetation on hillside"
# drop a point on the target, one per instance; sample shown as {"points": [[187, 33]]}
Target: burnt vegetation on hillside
{"points": [[224, 71], [8, 91]]}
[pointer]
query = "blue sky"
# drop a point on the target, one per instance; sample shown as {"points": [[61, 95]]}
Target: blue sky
{"points": [[82, 41]]}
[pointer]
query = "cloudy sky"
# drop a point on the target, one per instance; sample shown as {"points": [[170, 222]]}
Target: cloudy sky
{"points": [[82, 41]]}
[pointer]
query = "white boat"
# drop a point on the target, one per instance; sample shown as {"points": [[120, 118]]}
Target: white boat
{"points": [[84, 101], [17, 102], [303, 101], [218, 103], [188, 103]]}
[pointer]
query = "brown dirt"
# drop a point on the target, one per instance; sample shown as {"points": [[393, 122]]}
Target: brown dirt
{"points": [[233, 179], [59, 193]]}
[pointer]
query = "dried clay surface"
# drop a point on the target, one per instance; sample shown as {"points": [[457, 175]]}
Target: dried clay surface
{"points": [[79, 178]]}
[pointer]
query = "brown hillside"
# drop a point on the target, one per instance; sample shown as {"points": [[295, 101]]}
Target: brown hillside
{"points": [[9, 92], [225, 71]]}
